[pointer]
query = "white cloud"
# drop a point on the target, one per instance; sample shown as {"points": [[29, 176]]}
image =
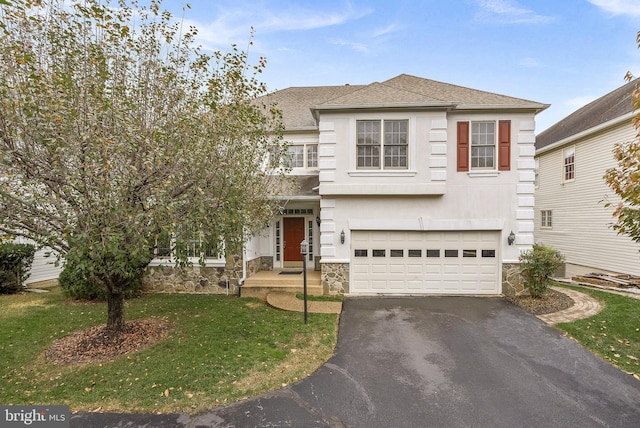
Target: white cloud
{"points": [[233, 25], [391, 28], [360, 47], [530, 62], [509, 12], [618, 7]]}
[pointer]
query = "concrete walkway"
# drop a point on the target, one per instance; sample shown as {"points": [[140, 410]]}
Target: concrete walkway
{"points": [[584, 306], [289, 302]]}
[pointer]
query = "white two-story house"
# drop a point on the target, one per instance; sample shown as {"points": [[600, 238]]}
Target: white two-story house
{"points": [[408, 186]]}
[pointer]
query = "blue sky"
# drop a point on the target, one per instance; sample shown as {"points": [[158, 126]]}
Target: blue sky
{"points": [[560, 52]]}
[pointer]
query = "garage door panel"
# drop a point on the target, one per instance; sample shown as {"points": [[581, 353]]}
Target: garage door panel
{"points": [[415, 262]]}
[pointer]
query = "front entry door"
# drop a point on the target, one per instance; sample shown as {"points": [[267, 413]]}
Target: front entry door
{"points": [[293, 234]]}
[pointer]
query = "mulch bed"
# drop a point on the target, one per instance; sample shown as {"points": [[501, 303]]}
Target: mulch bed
{"points": [[553, 301], [97, 344]]}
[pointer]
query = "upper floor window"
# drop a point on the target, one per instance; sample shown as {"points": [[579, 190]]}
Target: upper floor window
{"points": [[569, 164], [483, 145], [302, 156], [382, 144]]}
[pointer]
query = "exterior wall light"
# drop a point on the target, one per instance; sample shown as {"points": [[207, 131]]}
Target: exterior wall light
{"points": [[511, 238], [304, 247], [342, 237], [318, 220]]}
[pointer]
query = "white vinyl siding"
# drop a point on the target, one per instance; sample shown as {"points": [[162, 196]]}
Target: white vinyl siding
{"points": [[579, 214], [43, 267]]}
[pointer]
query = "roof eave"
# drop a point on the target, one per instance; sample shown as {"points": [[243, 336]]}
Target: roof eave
{"points": [[586, 132], [537, 107]]}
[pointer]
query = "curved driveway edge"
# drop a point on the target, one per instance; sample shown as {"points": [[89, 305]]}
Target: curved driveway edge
{"points": [[434, 361]]}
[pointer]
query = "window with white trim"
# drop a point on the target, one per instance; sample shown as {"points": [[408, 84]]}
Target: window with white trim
{"points": [[382, 144], [193, 244], [302, 156], [545, 218], [483, 145], [569, 166]]}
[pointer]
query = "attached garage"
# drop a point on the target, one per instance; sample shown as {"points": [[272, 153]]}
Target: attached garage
{"points": [[447, 262]]}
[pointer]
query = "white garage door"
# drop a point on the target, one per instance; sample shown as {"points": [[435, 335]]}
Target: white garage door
{"points": [[463, 262]]}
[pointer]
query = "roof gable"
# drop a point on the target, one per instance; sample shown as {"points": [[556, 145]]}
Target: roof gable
{"points": [[616, 103]]}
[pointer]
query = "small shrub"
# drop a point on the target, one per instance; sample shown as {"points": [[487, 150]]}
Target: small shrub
{"points": [[15, 263], [538, 265], [77, 287]]}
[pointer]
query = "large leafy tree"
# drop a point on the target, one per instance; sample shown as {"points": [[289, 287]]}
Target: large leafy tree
{"points": [[116, 129], [624, 179]]}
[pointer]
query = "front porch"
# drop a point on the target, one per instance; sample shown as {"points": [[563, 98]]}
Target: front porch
{"points": [[284, 280]]}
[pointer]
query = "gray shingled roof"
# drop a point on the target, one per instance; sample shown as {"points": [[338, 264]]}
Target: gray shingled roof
{"points": [[406, 90], [295, 102], [606, 108], [401, 91]]}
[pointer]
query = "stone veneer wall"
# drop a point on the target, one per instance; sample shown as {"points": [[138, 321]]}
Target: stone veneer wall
{"points": [[335, 278], [513, 283], [259, 264], [194, 279]]}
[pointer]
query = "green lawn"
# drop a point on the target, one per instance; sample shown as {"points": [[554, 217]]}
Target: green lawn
{"points": [[221, 349], [614, 333]]}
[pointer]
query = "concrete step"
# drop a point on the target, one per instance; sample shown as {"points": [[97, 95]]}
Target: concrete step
{"points": [[262, 283]]}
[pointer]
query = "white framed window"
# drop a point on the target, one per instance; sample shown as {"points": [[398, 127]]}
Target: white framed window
{"points": [[483, 145], [569, 164], [194, 246], [312, 155], [382, 144], [546, 219], [302, 156]]}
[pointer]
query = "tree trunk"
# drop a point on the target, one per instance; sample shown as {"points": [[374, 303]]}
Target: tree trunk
{"points": [[115, 312]]}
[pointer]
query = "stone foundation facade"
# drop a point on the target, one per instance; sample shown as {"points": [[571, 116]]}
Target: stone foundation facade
{"points": [[513, 283], [335, 278], [194, 279], [259, 264]]}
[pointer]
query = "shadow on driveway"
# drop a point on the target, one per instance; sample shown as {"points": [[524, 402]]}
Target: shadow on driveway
{"points": [[434, 362]]}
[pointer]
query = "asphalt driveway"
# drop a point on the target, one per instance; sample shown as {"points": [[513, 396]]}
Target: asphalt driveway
{"points": [[434, 362]]}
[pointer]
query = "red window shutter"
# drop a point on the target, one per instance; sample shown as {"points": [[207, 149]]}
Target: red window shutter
{"points": [[463, 146], [504, 145]]}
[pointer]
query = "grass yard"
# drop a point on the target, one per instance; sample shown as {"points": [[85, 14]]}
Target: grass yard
{"points": [[614, 333], [220, 349]]}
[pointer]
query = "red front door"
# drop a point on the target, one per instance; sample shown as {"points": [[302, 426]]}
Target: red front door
{"points": [[293, 234]]}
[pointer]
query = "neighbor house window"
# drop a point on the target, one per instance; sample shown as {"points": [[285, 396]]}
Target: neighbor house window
{"points": [[382, 144], [570, 164], [545, 218], [483, 145]]}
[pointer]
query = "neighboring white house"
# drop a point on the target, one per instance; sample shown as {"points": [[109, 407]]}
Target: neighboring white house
{"points": [[408, 186], [570, 215]]}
